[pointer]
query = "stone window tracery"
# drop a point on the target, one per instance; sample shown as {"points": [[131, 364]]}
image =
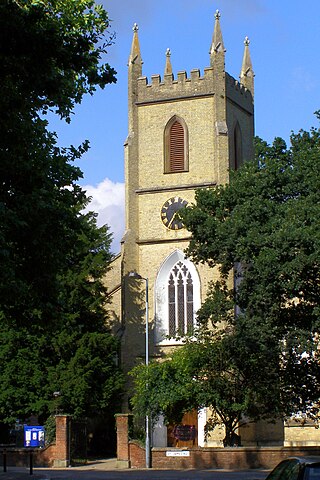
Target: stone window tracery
{"points": [[180, 300], [177, 298]]}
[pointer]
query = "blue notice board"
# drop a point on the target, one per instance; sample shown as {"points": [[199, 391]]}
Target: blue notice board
{"points": [[33, 436]]}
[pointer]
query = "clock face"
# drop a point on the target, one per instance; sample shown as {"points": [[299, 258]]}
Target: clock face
{"points": [[169, 210]]}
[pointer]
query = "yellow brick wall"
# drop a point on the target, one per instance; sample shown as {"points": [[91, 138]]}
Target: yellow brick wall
{"points": [[198, 115], [112, 281], [301, 435]]}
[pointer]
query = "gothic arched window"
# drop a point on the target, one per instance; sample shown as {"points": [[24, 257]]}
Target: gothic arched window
{"points": [[176, 146], [177, 298], [180, 301], [236, 148]]}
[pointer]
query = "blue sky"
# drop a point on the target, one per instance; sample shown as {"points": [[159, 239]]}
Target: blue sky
{"points": [[284, 42]]}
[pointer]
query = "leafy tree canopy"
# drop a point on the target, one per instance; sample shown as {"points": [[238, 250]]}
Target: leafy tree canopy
{"points": [[216, 369], [53, 256], [51, 53]]}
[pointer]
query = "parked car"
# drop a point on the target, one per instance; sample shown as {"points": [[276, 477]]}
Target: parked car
{"points": [[296, 468]]}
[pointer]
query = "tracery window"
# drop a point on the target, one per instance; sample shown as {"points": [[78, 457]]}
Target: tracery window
{"points": [[180, 301], [177, 298], [176, 146]]}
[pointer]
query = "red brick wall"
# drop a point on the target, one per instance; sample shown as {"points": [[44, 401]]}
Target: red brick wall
{"points": [[20, 457], [122, 424], [43, 457], [46, 456], [137, 455], [62, 438], [227, 458]]}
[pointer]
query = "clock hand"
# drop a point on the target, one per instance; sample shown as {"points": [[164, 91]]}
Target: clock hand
{"points": [[169, 224]]}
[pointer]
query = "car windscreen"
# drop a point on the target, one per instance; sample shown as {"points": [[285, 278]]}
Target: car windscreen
{"points": [[286, 470], [312, 472]]}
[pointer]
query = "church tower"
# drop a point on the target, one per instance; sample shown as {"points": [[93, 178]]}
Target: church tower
{"points": [[185, 132]]}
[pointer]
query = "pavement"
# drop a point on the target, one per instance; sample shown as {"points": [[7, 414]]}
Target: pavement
{"points": [[23, 473], [13, 474], [107, 470]]}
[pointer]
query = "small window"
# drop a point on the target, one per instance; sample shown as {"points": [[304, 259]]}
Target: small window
{"points": [[176, 146], [236, 148]]}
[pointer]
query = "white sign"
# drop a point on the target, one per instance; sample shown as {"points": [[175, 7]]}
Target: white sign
{"points": [[178, 453]]}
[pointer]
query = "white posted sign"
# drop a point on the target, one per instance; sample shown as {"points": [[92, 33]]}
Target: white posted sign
{"points": [[178, 453]]}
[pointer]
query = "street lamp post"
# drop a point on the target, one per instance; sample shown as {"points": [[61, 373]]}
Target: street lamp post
{"points": [[139, 277]]}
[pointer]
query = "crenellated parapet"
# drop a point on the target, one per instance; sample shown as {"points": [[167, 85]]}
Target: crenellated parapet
{"points": [[181, 86], [168, 87], [238, 93]]}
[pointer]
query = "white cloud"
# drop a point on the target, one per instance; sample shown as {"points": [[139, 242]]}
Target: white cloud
{"points": [[108, 202]]}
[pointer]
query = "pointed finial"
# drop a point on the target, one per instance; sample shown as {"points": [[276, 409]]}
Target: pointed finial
{"points": [[135, 55], [168, 67], [217, 46], [247, 74]]}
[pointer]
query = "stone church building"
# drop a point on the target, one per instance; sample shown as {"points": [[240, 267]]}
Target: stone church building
{"points": [[185, 132]]}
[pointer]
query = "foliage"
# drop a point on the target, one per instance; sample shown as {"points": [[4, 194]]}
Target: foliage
{"points": [[219, 370], [90, 379], [50, 430], [51, 52], [53, 256], [162, 388]]}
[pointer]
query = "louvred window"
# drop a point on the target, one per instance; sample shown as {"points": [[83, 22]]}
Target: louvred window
{"points": [[176, 152]]}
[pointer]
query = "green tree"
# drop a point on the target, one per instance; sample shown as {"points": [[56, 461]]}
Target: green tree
{"points": [[217, 369], [53, 256]]}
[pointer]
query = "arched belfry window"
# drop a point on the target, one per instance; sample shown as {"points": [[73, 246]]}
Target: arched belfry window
{"points": [[236, 148], [176, 146], [177, 298]]}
